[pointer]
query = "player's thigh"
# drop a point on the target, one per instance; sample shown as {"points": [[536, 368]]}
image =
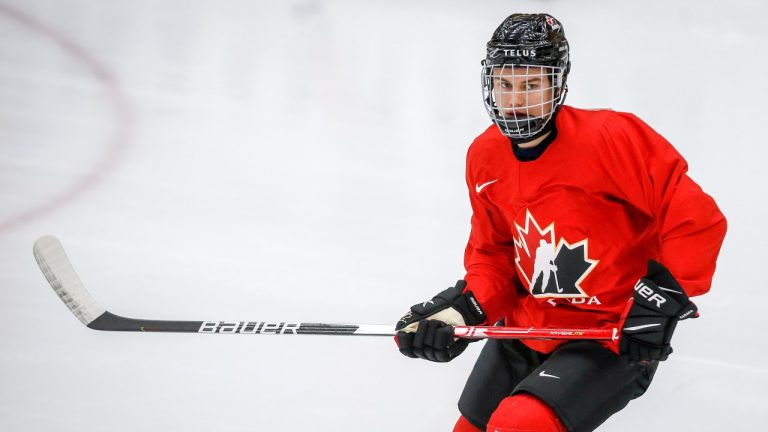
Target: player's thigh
{"points": [[498, 370], [585, 383], [524, 413]]}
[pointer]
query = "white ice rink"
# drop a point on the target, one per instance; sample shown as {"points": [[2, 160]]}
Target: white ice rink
{"points": [[302, 160]]}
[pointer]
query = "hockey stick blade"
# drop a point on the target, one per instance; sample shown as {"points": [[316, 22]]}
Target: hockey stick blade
{"points": [[58, 270]]}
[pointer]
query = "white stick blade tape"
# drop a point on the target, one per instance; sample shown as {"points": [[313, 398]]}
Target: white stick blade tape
{"points": [[61, 275]]}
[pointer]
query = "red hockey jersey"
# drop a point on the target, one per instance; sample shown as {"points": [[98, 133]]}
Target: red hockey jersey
{"points": [[561, 240]]}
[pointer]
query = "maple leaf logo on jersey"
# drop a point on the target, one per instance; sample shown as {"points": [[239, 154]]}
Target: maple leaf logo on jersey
{"points": [[551, 267]]}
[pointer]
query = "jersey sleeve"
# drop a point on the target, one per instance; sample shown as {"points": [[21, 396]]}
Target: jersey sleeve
{"points": [[690, 226], [489, 257]]}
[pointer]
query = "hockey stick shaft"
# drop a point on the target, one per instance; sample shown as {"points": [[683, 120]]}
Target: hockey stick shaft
{"points": [[110, 322], [60, 274]]}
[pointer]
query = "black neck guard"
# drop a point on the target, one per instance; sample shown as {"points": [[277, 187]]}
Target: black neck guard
{"points": [[533, 153]]}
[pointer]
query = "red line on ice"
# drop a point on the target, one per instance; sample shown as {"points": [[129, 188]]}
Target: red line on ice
{"points": [[116, 145]]}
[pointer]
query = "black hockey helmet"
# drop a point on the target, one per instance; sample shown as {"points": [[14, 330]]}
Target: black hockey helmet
{"points": [[532, 45]]}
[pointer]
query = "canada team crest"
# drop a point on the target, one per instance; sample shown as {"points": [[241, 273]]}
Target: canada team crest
{"points": [[550, 266]]}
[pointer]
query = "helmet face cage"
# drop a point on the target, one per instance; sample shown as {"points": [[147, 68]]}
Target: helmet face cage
{"points": [[521, 99]]}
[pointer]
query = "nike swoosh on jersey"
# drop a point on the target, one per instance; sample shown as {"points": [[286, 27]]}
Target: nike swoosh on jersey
{"points": [[545, 374], [479, 187]]}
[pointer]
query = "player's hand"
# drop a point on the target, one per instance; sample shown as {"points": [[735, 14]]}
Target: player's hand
{"points": [[657, 305], [426, 331]]}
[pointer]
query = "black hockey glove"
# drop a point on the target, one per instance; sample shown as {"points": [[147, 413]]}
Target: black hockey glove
{"points": [[426, 331], [658, 304]]}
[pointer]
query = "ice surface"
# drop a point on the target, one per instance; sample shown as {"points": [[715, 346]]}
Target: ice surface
{"points": [[303, 160]]}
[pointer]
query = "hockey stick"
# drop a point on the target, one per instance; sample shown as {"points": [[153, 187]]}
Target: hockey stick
{"points": [[59, 272]]}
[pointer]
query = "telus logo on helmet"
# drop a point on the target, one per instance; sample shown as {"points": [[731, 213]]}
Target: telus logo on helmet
{"points": [[507, 52]]}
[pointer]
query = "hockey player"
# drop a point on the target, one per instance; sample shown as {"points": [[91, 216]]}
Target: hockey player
{"points": [[607, 203]]}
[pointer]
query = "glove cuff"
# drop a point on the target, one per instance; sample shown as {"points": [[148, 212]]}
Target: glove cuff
{"points": [[465, 303], [470, 308]]}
